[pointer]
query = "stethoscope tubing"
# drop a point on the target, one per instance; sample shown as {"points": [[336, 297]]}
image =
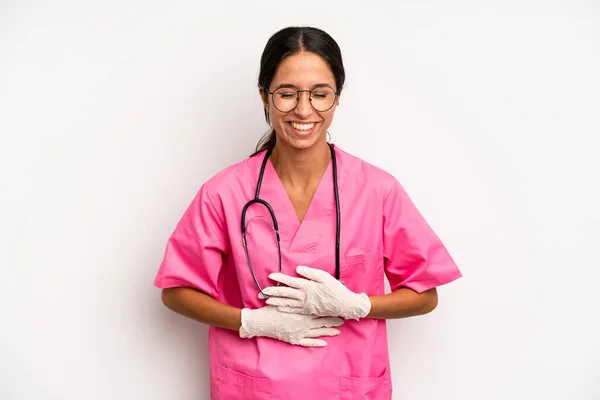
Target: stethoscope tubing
{"points": [[258, 200]]}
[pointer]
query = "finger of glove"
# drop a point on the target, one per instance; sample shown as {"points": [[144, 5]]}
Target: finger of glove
{"points": [[291, 281], [317, 275], [286, 292], [279, 302], [293, 310], [326, 322], [308, 342], [317, 332]]}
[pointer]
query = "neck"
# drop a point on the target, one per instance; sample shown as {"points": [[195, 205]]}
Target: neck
{"points": [[300, 168]]}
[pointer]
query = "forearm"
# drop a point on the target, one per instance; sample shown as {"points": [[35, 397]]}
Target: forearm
{"points": [[403, 303], [201, 307]]}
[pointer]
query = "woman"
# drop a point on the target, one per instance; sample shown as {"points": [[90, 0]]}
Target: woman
{"points": [[299, 313]]}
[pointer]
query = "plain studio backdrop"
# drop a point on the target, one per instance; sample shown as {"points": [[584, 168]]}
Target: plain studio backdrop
{"points": [[113, 113]]}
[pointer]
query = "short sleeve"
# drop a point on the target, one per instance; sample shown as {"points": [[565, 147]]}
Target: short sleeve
{"points": [[194, 252], [414, 255]]}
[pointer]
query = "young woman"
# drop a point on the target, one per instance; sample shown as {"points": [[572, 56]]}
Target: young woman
{"points": [[284, 253]]}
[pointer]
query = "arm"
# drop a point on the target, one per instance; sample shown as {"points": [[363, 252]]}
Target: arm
{"points": [[403, 303], [303, 330], [189, 272], [201, 307], [319, 293], [416, 261]]}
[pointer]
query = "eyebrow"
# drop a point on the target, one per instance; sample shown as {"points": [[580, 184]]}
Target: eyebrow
{"points": [[289, 85]]}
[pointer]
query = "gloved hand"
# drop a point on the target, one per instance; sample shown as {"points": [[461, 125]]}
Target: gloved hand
{"points": [[320, 294], [295, 329]]}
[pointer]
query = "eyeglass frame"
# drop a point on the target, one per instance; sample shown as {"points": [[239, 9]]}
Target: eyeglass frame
{"points": [[336, 94]]}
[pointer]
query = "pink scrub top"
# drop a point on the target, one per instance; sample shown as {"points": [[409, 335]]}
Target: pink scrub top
{"points": [[382, 233]]}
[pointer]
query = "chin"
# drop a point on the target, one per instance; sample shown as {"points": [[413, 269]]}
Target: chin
{"points": [[302, 144], [301, 141]]}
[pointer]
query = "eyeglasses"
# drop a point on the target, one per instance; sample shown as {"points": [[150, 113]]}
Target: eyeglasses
{"points": [[286, 99]]}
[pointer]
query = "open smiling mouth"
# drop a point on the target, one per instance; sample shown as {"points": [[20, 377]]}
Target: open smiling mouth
{"points": [[303, 129]]}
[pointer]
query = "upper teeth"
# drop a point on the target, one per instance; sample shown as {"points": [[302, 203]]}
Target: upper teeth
{"points": [[302, 127]]}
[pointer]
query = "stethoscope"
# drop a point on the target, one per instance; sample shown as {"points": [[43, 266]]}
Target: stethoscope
{"points": [[257, 200]]}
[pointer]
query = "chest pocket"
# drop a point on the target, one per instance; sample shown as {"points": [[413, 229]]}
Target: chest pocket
{"points": [[363, 272]]}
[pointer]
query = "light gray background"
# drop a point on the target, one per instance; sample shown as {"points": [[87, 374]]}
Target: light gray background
{"points": [[113, 113]]}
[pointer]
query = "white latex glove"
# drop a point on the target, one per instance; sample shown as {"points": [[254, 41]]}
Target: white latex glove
{"points": [[320, 294], [292, 328]]}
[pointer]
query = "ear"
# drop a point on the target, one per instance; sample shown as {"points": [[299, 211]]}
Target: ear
{"points": [[338, 97], [264, 96]]}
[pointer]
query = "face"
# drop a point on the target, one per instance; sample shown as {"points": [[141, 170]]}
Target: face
{"points": [[303, 126]]}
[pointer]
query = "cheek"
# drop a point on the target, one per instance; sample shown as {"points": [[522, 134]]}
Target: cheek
{"points": [[275, 116], [327, 117]]}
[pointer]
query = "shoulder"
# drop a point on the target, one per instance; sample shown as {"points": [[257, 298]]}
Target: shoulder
{"points": [[367, 175], [229, 181]]}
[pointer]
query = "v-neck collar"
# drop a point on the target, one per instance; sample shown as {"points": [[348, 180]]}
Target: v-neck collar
{"points": [[303, 236]]}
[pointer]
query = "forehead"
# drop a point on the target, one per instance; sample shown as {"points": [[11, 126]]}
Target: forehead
{"points": [[303, 70]]}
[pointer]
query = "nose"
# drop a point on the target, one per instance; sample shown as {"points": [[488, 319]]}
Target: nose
{"points": [[304, 108]]}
